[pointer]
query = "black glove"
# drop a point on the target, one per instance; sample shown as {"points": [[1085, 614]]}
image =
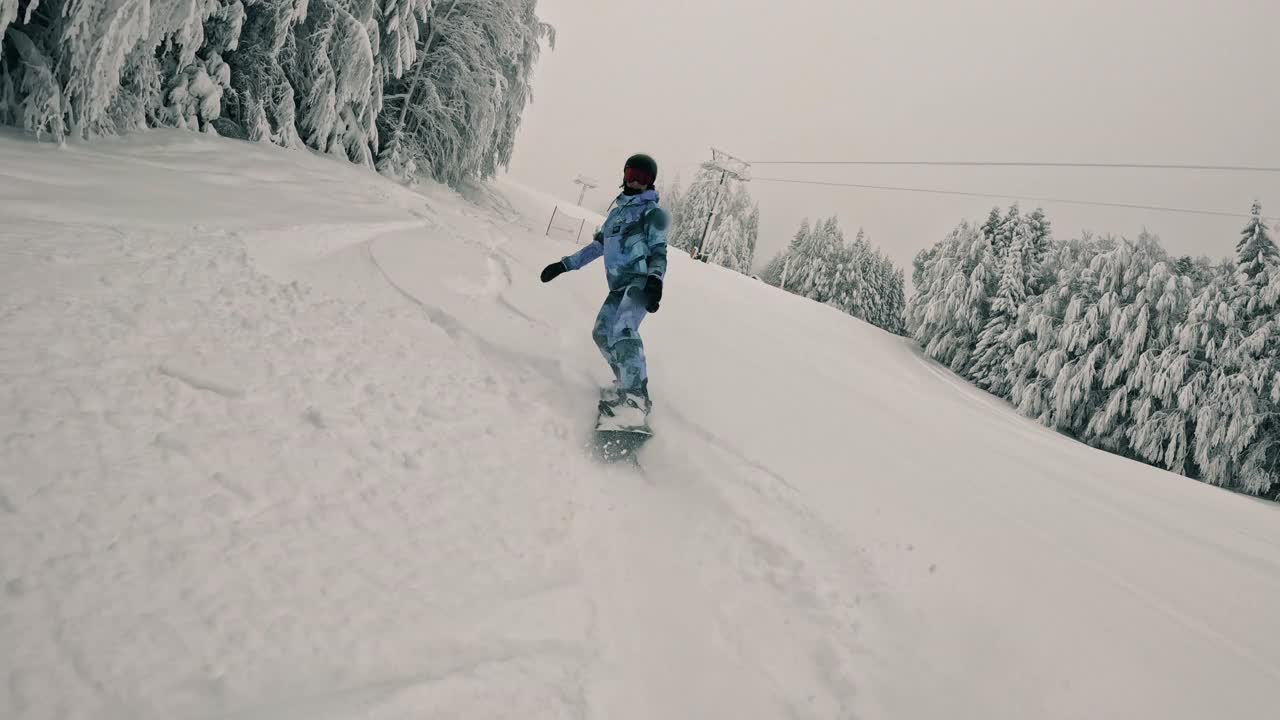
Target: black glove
{"points": [[550, 272], [653, 293]]}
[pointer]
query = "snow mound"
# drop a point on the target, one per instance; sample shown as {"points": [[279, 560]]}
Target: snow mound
{"points": [[281, 439]]}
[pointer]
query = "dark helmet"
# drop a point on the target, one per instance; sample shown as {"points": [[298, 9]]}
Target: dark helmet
{"points": [[643, 162]]}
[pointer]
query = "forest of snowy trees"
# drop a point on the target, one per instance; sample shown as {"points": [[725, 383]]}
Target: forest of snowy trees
{"points": [[853, 277], [820, 265], [1171, 361], [403, 85], [731, 238]]}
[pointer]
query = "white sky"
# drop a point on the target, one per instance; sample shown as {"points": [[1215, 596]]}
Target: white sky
{"points": [[1150, 81]]}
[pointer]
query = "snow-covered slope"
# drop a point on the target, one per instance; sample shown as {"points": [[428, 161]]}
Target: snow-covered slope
{"points": [[279, 439]]}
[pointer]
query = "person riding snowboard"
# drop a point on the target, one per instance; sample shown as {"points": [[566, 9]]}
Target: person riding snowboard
{"points": [[633, 241]]}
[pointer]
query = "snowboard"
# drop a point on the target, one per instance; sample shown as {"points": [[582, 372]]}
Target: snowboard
{"points": [[613, 443]]}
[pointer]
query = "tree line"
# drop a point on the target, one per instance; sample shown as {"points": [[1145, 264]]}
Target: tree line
{"points": [[818, 263], [401, 85], [1173, 361]]}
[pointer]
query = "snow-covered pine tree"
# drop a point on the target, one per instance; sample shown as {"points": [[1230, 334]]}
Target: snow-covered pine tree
{"points": [[950, 306], [1040, 243], [989, 368], [806, 257], [429, 118], [1079, 329], [1200, 269], [115, 65], [880, 309], [400, 24], [772, 272], [920, 264], [10, 112], [819, 266], [334, 76], [1021, 281], [260, 69], [1104, 339], [874, 277], [727, 228], [457, 109], [1255, 250], [1186, 371], [867, 285], [731, 237], [93, 41], [1233, 325], [689, 213], [896, 302], [792, 259], [113, 61], [671, 195], [42, 108], [517, 53], [751, 234], [722, 243], [833, 252], [856, 280], [852, 277], [1260, 263], [1146, 373], [801, 237], [991, 227], [1262, 461], [1003, 235], [1038, 358], [1235, 438], [1075, 396], [178, 76]]}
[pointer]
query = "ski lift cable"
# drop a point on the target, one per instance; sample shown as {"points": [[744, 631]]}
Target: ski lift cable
{"points": [[1011, 196], [997, 163]]}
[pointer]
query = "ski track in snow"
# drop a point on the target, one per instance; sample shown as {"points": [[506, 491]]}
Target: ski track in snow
{"points": [[280, 439], [614, 518]]}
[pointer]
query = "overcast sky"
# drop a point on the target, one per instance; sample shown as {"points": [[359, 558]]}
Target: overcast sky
{"points": [[1151, 81]]}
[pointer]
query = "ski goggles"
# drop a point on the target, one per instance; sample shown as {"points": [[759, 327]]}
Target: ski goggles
{"points": [[635, 174]]}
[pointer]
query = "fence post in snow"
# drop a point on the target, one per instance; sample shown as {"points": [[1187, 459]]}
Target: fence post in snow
{"points": [[553, 219]]}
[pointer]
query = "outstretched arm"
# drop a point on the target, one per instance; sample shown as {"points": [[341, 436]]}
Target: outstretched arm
{"points": [[586, 255]]}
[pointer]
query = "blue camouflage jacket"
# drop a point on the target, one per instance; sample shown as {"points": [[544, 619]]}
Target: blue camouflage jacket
{"points": [[633, 242]]}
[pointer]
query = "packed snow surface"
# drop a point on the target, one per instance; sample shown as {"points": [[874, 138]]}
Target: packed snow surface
{"points": [[282, 439]]}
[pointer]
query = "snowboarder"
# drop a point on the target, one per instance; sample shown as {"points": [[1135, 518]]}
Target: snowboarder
{"points": [[633, 241]]}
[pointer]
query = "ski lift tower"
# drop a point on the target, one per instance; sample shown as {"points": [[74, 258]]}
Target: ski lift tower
{"points": [[587, 183], [729, 167]]}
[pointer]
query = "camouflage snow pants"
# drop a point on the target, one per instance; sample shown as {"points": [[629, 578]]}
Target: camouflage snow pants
{"points": [[617, 334]]}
